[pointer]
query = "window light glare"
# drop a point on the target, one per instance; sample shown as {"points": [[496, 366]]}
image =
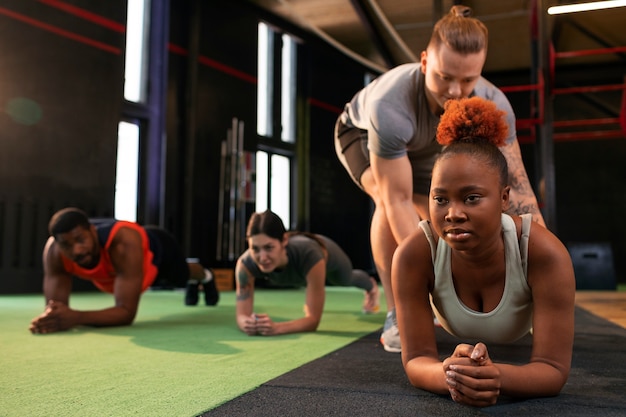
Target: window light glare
{"points": [[265, 85], [127, 172], [262, 181], [585, 7], [134, 83], [288, 90], [279, 193]]}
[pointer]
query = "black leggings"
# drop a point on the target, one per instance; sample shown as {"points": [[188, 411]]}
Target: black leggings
{"points": [[169, 259]]}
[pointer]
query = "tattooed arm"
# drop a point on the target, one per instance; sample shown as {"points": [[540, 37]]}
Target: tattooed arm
{"points": [[246, 320], [523, 198]]}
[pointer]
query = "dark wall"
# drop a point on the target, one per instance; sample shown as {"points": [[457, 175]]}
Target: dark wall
{"points": [[60, 92], [590, 175], [203, 101], [225, 88], [339, 209]]}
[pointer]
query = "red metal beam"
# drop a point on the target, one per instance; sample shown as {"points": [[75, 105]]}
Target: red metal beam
{"points": [[604, 134], [589, 89], [588, 122], [587, 52], [60, 32], [574, 137]]}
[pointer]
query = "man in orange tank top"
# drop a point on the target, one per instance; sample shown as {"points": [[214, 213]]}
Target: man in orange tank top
{"points": [[118, 257]]}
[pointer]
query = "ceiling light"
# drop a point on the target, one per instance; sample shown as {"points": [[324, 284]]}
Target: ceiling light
{"points": [[584, 7]]}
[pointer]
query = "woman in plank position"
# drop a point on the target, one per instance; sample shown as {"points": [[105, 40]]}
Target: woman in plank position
{"points": [[488, 276], [293, 259]]}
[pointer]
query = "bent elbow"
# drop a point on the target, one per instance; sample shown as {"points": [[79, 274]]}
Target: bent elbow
{"points": [[312, 327], [127, 319], [128, 322], [558, 386], [560, 382]]}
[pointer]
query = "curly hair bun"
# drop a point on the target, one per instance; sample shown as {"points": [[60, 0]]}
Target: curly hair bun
{"points": [[472, 119], [461, 11]]}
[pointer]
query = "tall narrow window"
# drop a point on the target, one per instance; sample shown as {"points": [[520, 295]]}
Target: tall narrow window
{"points": [[280, 178], [262, 181], [276, 121], [137, 25], [265, 80], [288, 90], [127, 172], [135, 90]]}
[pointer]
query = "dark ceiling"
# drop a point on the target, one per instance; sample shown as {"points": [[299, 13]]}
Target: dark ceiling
{"points": [[385, 33]]}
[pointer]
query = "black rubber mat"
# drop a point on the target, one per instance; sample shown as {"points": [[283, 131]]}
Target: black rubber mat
{"points": [[364, 380]]}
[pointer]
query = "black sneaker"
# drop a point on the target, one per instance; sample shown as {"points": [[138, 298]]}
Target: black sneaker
{"points": [[191, 294], [211, 295]]}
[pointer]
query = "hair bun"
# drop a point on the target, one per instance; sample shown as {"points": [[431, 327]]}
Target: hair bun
{"points": [[472, 119], [461, 11]]}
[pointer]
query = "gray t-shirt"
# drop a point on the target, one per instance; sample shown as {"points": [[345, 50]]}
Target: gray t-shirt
{"points": [[303, 253], [394, 111]]}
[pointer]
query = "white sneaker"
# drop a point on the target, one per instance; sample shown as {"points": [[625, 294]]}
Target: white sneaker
{"points": [[390, 337]]}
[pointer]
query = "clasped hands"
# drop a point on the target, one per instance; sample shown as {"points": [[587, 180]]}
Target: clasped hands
{"points": [[258, 324], [56, 317], [471, 376]]}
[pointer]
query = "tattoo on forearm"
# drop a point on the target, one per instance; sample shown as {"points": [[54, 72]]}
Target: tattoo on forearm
{"points": [[520, 185], [242, 277], [518, 178], [244, 287], [521, 207], [244, 293], [523, 199]]}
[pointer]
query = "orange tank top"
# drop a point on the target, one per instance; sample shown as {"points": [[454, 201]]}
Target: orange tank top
{"points": [[103, 275]]}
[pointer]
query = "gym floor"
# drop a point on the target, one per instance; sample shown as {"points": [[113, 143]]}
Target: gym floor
{"points": [[610, 305]]}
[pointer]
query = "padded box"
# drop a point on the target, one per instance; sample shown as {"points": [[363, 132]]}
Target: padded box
{"points": [[224, 279], [593, 265]]}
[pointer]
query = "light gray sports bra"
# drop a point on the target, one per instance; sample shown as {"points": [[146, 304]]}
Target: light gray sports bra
{"points": [[512, 318]]}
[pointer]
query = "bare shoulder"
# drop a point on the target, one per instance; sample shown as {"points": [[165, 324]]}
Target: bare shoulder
{"points": [[548, 258], [544, 241], [126, 236], [413, 257], [543, 245], [415, 244], [51, 247], [240, 265], [126, 246], [242, 274], [51, 252]]}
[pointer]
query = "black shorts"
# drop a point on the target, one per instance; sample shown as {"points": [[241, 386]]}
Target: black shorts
{"points": [[352, 151], [169, 259], [351, 147]]}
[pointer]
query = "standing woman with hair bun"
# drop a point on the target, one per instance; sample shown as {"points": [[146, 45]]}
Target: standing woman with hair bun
{"points": [[385, 138], [490, 277]]}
